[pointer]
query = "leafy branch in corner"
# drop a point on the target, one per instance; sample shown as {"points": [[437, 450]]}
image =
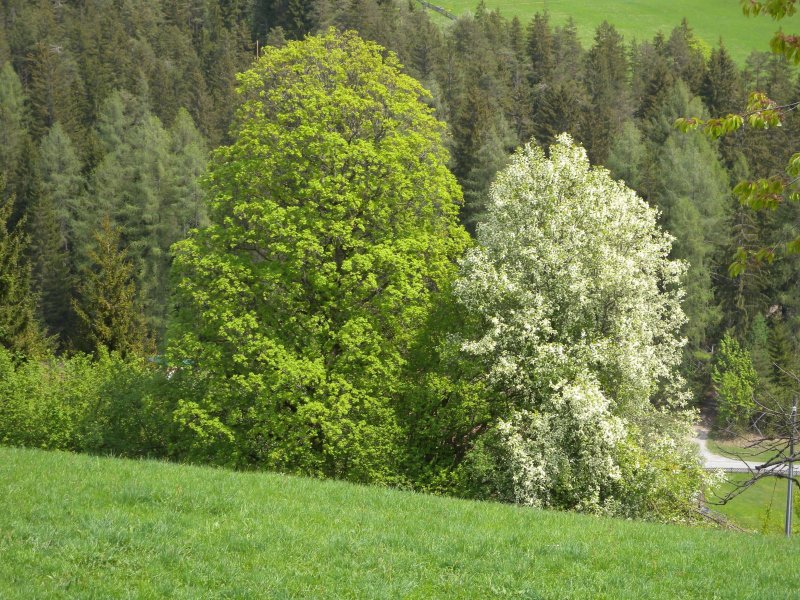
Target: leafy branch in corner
{"points": [[761, 112]]}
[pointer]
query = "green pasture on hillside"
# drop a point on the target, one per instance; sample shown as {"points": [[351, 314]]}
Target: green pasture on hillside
{"points": [[642, 19], [761, 507], [739, 449], [84, 527]]}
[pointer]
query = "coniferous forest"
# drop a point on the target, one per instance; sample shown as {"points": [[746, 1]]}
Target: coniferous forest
{"points": [[308, 267]]}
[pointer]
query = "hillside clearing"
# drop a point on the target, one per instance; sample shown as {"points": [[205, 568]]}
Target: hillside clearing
{"points": [[642, 19], [78, 526]]}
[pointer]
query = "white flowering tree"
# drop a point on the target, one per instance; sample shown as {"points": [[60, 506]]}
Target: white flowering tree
{"points": [[580, 318]]}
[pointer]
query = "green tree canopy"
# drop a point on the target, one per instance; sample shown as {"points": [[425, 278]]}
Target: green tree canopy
{"points": [[333, 225], [735, 382]]}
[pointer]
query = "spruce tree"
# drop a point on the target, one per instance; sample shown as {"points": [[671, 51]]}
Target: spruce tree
{"points": [[648, 61], [51, 90], [52, 279], [686, 56], [561, 108], [540, 49], [489, 158], [19, 328], [687, 182], [13, 130], [568, 53], [107, 304], [606, 78], [54, 222], [722, 88]]}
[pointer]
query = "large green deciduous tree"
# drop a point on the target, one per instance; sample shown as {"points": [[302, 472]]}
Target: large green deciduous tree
{"points": [[580, 337], [333, 227]]}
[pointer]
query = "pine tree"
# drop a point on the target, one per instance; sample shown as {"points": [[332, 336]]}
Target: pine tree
{"points": [[52, 89], [425, 45], [520, 96], [746, 296], [646, 59], [55, 220], [690, 187], [540, 49], [107, 306], [569, 55], [692, 194], [52, 279], [19, 328], [606, 81], [489, 158], [722, 87], [686, 56], [561, 108], [12, 124], [185, 201], [782, 347]]}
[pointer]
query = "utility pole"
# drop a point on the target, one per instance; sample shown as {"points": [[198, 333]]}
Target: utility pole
{"points": [[790, 481]]}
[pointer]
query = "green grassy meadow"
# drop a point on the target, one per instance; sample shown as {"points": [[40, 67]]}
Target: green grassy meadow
{"points": [[85, 527], [739, 449], [761, 507], [642, 19]]}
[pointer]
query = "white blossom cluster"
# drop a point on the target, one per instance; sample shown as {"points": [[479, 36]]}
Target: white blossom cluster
{"points": [[581, 317]]}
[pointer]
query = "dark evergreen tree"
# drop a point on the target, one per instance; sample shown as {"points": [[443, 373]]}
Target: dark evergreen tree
{"points": [[13, 132], [540, 49], [606, 78], [295, 17], [561, 107], [20, 331], [107, 306], [53, 89], [52, 279], [722, 88], [569, 55], [652, 79], [55, 219], [685, 55]]}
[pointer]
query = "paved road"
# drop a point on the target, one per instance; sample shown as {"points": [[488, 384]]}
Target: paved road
{"points": [[715, 461]]}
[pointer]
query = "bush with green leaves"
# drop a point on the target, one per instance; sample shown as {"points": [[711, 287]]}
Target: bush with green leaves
{"points": [[86, 404], [735, 383], [333, 229]]}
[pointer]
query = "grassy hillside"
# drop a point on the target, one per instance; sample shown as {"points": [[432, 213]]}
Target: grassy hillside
{"points": [[762, 507], [77, 526], [642, 19]]}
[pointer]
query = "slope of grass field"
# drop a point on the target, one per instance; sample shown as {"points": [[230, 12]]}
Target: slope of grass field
{"points": [[77, 526], [761, 507], [739, 449], [642, 19]]}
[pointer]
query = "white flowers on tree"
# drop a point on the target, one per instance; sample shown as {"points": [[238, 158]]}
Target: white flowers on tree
{"points": [[580, 316]]}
